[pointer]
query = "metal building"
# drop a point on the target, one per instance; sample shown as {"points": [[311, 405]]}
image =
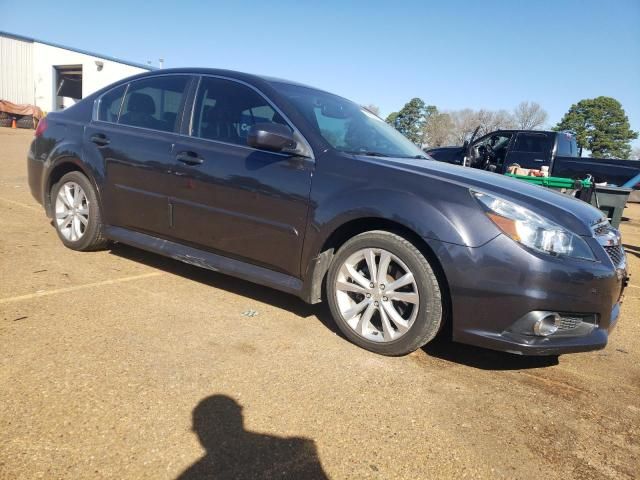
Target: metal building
{"points": [[53, 76]]}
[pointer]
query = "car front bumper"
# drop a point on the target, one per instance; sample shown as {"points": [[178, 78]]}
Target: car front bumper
{"points": [[493, 287]]}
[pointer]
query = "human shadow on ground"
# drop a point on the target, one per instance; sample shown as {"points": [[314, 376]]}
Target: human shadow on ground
{"points": [[235, 453]]}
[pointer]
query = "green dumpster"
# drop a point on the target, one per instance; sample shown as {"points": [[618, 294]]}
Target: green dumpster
{"points": [[611, 201], [556, 183]]}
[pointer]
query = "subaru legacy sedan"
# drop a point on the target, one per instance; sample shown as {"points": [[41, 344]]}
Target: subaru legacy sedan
{"points": [[306, 192]]}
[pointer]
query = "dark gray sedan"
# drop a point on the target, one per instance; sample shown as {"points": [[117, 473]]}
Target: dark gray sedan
{"points": [[304, 191]]}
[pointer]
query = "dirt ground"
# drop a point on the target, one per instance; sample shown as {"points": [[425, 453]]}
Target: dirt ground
{"points": [[124, 364]]}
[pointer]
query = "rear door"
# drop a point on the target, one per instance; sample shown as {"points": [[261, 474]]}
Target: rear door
{"points": [[233, 199], [530, 150], [135, 129]]}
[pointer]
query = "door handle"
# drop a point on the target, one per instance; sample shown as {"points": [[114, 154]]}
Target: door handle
{"points": [[100, 139], [190, 158]]}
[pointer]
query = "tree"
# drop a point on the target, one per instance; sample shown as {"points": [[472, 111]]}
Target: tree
{"points": [[635, 155], [529, 116], [490, 120], [438, 130], [373, 109], [466, 121], [601, 126], [429, 112], [410, 120]]}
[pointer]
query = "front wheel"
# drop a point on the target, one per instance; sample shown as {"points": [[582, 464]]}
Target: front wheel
{"points": [[383, 294]]}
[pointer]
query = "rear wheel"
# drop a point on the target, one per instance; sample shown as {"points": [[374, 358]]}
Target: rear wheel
{"points": [[383, 294], [77, 215]]}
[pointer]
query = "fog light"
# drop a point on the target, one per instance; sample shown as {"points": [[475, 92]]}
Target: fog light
{"points": [[547, 325]]}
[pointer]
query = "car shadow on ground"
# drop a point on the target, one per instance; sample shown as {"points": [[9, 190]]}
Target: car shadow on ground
{"points": [[228, 283], [442, 347], [484, 359], [632, 249], [233, 452]]}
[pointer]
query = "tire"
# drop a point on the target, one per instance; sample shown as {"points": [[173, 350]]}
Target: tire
{"points": [[77, 222], [375, 327], [26, 121]]}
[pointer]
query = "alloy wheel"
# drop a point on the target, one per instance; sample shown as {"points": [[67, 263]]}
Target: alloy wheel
{"points": [[377, 295], [72, 211]]}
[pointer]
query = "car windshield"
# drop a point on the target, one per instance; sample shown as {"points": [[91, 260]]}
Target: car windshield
{"points": [[346, 126]]}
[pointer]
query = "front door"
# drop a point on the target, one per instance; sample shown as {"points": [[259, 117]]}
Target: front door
{"points": [[230, 198], [134, 133]]}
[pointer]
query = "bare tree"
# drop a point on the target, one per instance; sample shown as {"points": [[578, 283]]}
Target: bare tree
{"points": [[530, 116], [438, 130], [490, 120], [635, 155], [373, 109], [464, 122]]}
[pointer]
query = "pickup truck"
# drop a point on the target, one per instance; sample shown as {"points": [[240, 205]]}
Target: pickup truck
{"points": [[497, 150]]}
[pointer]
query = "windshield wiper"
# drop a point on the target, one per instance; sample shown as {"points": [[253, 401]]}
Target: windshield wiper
{"points": [[378, 154], [368, 154]]}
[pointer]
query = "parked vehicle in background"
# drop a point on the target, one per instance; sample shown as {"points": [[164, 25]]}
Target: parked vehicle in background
{"points": [[304, 191], [534, 149]]}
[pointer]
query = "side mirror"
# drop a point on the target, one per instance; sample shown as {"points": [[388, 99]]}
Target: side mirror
{"points": [[271, 136]]}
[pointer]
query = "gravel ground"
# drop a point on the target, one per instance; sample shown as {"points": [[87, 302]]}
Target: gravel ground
{"points": [[123, 364]]}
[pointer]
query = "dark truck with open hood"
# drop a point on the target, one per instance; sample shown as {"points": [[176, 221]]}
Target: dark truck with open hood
{"points": [[533, 149]]}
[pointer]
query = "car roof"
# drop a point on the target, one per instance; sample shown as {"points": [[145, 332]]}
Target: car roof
{"points": [[250, 77], [516, 130]]}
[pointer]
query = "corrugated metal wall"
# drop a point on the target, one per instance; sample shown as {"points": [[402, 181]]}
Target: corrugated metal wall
{"points": [[16, 70]]}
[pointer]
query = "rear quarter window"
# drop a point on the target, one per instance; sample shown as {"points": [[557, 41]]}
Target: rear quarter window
{"points": [[110, 103]]}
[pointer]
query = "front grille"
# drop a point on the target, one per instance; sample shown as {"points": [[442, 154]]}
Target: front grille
{"points": [[602, 229], [609, 238], [569, 323], [616, 254]]}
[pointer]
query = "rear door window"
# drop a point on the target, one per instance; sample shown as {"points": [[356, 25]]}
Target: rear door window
{"points": [[532, 143], [155, 103]]}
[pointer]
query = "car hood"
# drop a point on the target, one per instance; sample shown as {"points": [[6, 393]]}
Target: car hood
{"points": [[573, 214], [443, 149]]}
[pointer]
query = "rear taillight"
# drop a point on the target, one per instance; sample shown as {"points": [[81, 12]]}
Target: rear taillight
{"points": [[42, 126]]}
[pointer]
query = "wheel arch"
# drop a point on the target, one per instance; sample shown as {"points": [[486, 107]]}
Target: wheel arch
{"points": [[59, 168]]}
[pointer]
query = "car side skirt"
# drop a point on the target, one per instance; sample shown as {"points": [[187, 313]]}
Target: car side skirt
{"points": [[207, 260]]}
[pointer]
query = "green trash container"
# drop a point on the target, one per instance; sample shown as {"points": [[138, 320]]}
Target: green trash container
{"points": [[611, 201], [557, 183]]}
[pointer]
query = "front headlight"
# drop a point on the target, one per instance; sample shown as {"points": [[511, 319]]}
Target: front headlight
{"points": [[532, 230]]}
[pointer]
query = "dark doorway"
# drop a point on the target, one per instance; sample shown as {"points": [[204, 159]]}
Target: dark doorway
{"points": [[68, 85]]}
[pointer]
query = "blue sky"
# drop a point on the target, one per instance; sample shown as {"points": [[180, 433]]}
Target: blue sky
{"points": [[451, 53]]}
